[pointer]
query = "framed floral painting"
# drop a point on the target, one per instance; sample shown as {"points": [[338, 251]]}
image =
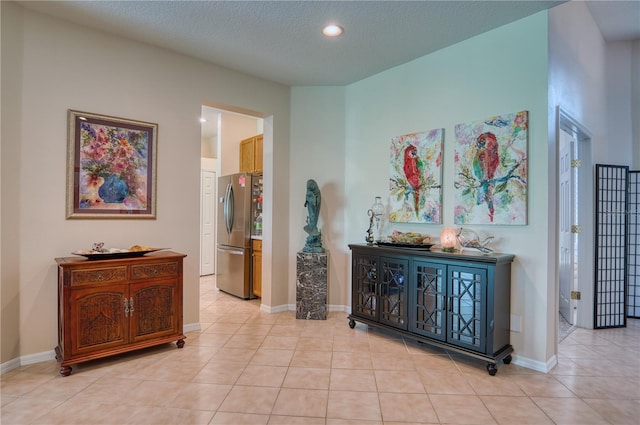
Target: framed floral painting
{"points": [[491, 170], [415, 183], [111, 167]]}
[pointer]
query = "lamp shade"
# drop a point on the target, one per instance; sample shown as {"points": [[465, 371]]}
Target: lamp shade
{"points": [[448, 239]]}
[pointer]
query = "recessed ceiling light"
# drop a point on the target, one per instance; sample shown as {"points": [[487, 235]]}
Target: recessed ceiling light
{"points": [[332, 30]]}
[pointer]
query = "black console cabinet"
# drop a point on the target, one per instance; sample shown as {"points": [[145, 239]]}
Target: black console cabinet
{"points": [[457, 301]]}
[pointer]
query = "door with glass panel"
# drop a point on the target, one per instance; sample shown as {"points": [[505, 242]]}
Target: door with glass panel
{"points": [[466, 312], [429, 302]]}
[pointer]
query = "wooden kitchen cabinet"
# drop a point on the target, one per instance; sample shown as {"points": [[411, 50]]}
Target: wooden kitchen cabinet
{"points": [[257, 267], [108, 307], [251, 155]]}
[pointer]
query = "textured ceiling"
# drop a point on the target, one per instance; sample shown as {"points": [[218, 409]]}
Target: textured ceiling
{"points": [[617, 20], [281, 40]]}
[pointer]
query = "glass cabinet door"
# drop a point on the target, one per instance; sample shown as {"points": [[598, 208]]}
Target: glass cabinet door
{"points": [[392, 292], [364, 291], [429, 304], [467, 309]]}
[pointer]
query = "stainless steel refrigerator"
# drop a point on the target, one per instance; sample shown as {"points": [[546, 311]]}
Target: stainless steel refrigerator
{"points": [[234, 224]]}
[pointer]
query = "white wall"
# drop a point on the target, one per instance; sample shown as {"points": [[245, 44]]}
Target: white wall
{"points": [[597, 84], [209, 147], [9, 232], [618, 104], [318, 129], [635, 102], [499, 72], [233, 129], [57, 66]]}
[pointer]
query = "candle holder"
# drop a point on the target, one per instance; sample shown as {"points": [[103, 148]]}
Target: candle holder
{"points": [[374, 213]]}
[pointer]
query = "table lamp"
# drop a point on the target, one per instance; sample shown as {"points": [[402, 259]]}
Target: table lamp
{"points": [[448, 239]]}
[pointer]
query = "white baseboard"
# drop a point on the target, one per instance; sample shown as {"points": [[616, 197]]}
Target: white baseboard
{"points": [[292, 307], [339, 308], [277, 309], [9, 366], [191, 327], [544, 367], [27, 360], [51, 354], [37, 358]]}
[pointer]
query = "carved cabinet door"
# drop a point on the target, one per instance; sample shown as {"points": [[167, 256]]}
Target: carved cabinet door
{"points": [[97, 318], [154, 309]]}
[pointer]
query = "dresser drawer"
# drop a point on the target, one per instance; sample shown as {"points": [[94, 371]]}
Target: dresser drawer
{"points": [[147, 271], [99, 275]]}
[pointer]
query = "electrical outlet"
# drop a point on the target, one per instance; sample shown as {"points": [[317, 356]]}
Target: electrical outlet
{"points": [[516, 323]]}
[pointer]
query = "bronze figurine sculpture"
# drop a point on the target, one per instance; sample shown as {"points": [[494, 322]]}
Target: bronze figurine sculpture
{"points": [[312, 202]]}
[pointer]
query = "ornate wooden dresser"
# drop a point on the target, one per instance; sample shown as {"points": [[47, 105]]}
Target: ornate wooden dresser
{"points": [[108, 307]]}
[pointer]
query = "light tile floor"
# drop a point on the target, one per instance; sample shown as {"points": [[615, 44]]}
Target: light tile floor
{"points": [[250, 367]]}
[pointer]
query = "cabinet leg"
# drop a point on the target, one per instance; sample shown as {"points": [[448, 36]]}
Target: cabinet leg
{"points": [[180, 343], [352, 323], [492, 369], [507, 359], [65, 370]]}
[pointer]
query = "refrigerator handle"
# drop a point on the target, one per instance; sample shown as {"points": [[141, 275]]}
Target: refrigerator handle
{"points": [[231, 250], [232, 208], [228, 204]]}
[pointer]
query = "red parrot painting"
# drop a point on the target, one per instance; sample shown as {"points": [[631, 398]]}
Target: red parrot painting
{"points": [[415, 183], [485, 164], [413, 169]]}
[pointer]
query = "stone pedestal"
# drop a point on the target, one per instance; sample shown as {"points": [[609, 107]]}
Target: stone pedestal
{"points": [[311, 285]]}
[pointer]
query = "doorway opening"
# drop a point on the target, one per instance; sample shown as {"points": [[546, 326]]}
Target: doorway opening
{"points": [[573, 167], [223, 129]]}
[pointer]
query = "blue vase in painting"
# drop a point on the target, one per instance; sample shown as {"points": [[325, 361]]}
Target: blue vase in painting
{"points": [[113, 190]]}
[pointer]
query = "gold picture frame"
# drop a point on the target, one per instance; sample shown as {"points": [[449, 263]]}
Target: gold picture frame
{"points": [[111, 167]]}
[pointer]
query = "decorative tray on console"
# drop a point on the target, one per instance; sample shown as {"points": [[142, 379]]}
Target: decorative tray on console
{"points": [[407, 240], [405, 245], [97, 252]]}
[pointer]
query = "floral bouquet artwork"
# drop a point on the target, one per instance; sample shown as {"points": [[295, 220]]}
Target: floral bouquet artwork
{"points": [[111, 169], [415, 184], [491, 171]]}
